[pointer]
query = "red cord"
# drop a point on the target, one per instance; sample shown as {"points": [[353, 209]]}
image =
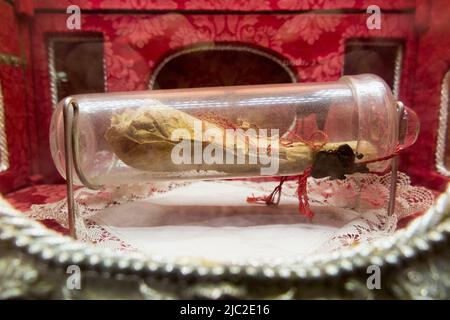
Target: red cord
{"points": [[302, 183], [396, 152], [302, 194], [302, 179], [269, 199]]}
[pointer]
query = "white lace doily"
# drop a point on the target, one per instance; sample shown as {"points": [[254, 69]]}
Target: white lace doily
{"points": [[212, 220]]}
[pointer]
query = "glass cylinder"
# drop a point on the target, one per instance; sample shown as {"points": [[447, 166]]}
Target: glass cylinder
{"points": [[333, 128]]}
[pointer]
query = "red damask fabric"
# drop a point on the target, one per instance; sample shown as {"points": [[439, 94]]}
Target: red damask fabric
{"points": [[17, 93], [312, 45], [238, 5], [23, 199], [432, 63]]}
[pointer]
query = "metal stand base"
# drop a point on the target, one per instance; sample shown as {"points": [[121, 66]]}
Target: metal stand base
{"points": [[71, 155], [394, 163], [393, 186]]}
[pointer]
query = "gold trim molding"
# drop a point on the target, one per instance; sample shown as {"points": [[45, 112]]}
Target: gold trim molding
{"points": [[4, 153], [11, 60]]}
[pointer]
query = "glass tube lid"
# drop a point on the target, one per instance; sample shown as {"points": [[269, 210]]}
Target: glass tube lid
{"points": [[332, 128]]}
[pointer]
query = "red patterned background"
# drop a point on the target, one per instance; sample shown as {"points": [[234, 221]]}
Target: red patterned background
{"points": [[139, 34]]}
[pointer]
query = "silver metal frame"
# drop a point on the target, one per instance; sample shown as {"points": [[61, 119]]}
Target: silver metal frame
{"points": [[394, 165], [72, 162], [414, 260]]}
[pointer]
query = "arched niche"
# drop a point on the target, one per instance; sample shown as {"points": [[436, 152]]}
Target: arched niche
{"points": [[220, 65]]}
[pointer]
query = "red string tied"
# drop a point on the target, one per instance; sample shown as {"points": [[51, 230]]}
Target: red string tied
{"points": [[302, 179], [315, 141], [302, 194], [269, 199]]}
